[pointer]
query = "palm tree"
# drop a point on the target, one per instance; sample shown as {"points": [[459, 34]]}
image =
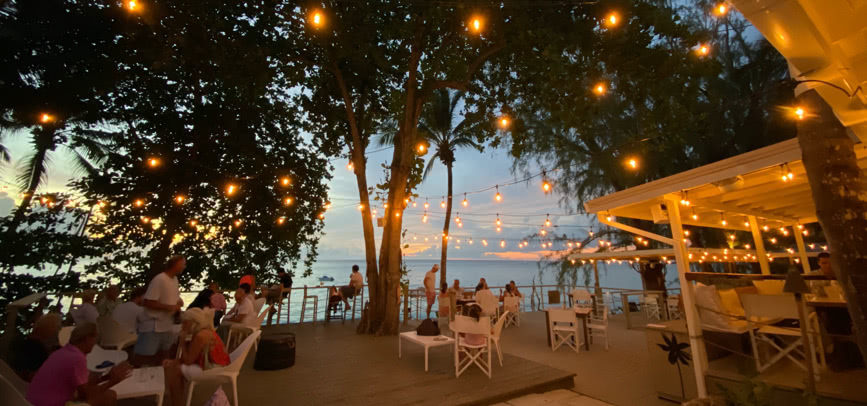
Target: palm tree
{"points": [[439, 127]]}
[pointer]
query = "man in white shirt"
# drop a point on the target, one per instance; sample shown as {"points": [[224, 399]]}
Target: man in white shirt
{"points": [[128, 314], [162, 301], [86, 312], [241, 314], [430, 287]]}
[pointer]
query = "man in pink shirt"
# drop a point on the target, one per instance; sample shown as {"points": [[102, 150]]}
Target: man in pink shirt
{"points": [[64, 376]]}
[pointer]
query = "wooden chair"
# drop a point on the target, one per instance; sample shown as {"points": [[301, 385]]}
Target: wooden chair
{"points": [[598, 324], [288, 300], [229, 372], [472, 354], [563, 326], [650, 303], [672, 303], [337, 311], [787, 341], [581, 298]]}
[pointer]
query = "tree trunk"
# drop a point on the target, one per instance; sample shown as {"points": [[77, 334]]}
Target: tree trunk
{"points": [[44, 142], [840, 195], [162, 252], [367, 322], [445, 241]]}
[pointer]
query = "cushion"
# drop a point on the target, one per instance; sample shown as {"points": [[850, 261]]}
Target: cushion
{"points": [[770, 287], [710, 307], [731, 302]]}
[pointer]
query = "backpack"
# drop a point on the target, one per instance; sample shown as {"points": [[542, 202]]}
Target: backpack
{"points": [[428, 327]]}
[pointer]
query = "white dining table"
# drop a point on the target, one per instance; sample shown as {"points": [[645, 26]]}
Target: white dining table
{"points": [[142, 382]]}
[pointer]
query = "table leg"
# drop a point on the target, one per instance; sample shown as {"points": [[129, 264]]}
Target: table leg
{"points": [[160, 399], [586, 335], [547, 330], [399, 344], [425, 358], [625, 299]]}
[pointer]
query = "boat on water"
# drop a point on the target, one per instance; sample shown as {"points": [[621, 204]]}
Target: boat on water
{"points": [[326, 278]]}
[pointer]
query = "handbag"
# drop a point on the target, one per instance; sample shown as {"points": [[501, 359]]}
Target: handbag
{"points": [[428, 327]]}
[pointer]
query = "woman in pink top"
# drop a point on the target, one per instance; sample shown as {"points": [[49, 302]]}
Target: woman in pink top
{"points": [[218, 303]]}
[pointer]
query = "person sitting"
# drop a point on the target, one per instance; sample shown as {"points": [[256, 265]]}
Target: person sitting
{"points": [[31, 352], [356, 281], [515, 290], [201, 349], [459, 291], [474, 311], [334, 298], [444, 301], [86, 312], [241, 314], [64, 376], [202, 300], [106, 305], [507, 292], [218, 302], [486, 299], [128, 314]]}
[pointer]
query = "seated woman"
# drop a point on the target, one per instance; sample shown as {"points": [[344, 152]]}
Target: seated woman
{"points": [[32, 351], [334, 298], [474, 311], [201, 349]]}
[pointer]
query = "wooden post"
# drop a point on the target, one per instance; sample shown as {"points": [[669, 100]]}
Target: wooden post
{"points": [[802, 250], [760, 246], [405, 306], [693, 323]]}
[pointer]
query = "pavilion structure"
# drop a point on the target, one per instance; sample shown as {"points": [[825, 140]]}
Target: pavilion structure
{"points": [[754, 192]]}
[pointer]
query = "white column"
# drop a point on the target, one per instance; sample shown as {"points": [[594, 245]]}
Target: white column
{"points": [[693, 323], [760, 246], [802, 250]]}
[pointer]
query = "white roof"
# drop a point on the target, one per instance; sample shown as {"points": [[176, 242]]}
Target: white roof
{"points": [[731, 189], [823, 40]]}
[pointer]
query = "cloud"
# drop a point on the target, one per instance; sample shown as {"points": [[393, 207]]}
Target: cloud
{"points": [[6, 204], [520, 255]]}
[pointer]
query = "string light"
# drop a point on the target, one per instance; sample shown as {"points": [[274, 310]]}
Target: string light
{"points": [[443, 203], [786, 173], [498, 197], [138, 203], [285, 181], [397, 214], [600, 89], [287, 201], [132, 5], [458, 218], [686, 233], [799, 113], [612, 19], [773, 240], [414, 204], [317, 19], [476, 24], [360, 207], [426, 205], [193, 223], [145, 219], [765, 227], [421, 148], [546, 187], [322, 216], [703, 50], [547, 221], [543, 232], [465, 203], [231, 189], [723, 219], [694, 214], [424, 217], [721, 9], [281, 220], [502, 243], [503, 122], [238, 223], [179, 199], [684, 198], [153, 162], [485, 242]]}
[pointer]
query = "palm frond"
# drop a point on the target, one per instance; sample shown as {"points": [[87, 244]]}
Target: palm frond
{"points": [[94, 149], [81, 164], [33, 170], [430, 164]]}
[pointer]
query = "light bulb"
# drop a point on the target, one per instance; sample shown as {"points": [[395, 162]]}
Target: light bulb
{"points": [[612, 19], [703, 50], [230, 189], [503, 243], [179, 199], [721, 9], [476, 24], [599, 89], [281, 220], [465, 203], [546, 187], [288, 202], [498, 197], [632, 163], [504, 122], [424, 218], [499, 229], [800, 113], [318, 18], [443, 204], [193, 223], [153, 162], [285, 180], [485, 242], [426, 205], [360, 207], [138, 203], [421, 148], [414, 204], [132, 5], [547, 223]]}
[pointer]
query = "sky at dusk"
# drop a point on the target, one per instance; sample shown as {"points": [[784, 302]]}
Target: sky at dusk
{"points": [[343, 237]]}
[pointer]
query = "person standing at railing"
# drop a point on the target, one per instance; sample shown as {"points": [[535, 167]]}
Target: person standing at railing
{"points": [[459, 291], [162, 301], [430, 283]]}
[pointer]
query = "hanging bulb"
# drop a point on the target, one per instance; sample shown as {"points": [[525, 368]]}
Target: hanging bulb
{"points": [[443, 203], [765, 228], [723, 219], [138, 203], [193, 223], [497, 196], [360, 207], [153, 162], [684, 199], [547, 221], [499, 223], [424, 218], [465, 203], [285, 181], [287, 201], [179, 199], [471, 241], [485, 242], [426, 205], [502, 243], [231, 189], [543, 232], [281, 220], [694, 215], [350, 167]]}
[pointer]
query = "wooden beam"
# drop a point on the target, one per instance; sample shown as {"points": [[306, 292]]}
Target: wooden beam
{"points": [[760, 246], [736, 210], [693, 322], [633, 230], [802, 249]]}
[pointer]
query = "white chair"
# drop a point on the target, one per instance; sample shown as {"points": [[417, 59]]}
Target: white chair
{"points": [[598, 324], [563, 326], [19, 384], [495, 334], [473, 354], [650, 303], [240, 331], [512, 308], [313, 300], [113, 335], [229, 372], [257, 304], [64, 334], [10, 394], [789, 341], [672, 303], [490, 305], [581, 298]]}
